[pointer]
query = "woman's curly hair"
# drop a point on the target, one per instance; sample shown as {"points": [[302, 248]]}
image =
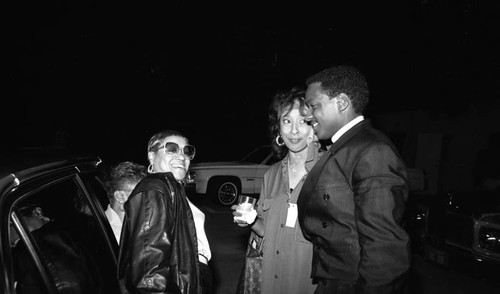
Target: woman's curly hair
{"points": [[283, 103]]}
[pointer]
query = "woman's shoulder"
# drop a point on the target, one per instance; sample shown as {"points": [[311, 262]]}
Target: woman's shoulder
{"points": [[160, 182], [274, 168]]}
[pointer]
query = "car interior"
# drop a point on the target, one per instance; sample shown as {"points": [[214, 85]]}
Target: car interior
{"points": [[70, 248]]}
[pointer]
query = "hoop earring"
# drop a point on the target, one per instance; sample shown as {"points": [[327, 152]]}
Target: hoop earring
{"points": [[150, 168], [278, 141]]}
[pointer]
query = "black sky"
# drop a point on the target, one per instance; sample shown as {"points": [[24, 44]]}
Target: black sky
{"points": [[105, 75]]}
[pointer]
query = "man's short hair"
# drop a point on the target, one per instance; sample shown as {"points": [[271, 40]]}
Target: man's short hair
{"points": [[344, 79], [123, 173]]}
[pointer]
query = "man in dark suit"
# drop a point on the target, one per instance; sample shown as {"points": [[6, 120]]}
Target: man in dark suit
{"points": [[352, 203]]}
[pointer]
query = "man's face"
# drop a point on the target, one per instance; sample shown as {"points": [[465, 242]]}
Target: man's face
{"points": [[125, 191], [323, 113]]}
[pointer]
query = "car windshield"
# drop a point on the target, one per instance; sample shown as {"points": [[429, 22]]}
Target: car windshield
{"points": [[258, 155]]}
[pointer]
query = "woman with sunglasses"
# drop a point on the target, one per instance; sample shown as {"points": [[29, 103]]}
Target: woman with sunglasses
{"points": [[164, 248], [287, 255]]}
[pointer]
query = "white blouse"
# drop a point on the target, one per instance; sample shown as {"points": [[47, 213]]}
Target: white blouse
{"points": [[204, 253]]}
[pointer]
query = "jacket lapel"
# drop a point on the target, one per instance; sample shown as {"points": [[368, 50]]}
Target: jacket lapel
{"points": [[313, 176], [348, 135]]}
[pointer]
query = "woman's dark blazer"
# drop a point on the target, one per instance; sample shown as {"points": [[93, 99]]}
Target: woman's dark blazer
{"points": [[351, 207]]}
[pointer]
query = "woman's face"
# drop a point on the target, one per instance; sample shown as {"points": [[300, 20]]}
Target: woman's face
{"points": [[164, 161], [294, 130]]}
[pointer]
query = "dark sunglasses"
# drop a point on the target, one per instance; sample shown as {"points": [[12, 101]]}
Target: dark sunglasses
{"points": [[172, 148]]}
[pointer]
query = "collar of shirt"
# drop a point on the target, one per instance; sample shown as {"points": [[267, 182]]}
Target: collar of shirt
{"points": [[346, 128], [312, 154], [112, 216]]}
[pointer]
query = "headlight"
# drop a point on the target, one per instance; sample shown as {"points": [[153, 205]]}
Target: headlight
{"points": [[489, 239]]}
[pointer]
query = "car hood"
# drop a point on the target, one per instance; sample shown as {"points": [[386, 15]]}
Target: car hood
{"points": [[219, 164], [493, 218]]}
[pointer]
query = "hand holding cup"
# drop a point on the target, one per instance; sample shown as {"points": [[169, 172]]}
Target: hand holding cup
{"points": [[244, 213]]}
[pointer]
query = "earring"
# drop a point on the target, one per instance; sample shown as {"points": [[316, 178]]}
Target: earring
{"points": [[150, 168], [278, 141]]}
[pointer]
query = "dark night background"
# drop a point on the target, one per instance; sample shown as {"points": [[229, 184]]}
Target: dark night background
{"points": [[102, 76]]}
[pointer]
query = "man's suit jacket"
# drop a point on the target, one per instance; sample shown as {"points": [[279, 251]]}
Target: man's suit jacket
{"points": [[351, 207]]}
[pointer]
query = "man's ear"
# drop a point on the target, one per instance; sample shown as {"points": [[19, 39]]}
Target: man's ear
{"points": [[120, 196], [37, 211], [342, 101]]}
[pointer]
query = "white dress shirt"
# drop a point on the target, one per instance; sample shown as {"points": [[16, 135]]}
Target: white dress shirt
{"points": [[115, 222], [347, 127]]}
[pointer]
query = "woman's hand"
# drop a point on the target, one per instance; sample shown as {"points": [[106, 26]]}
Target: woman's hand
{"points": [[243, 218]]}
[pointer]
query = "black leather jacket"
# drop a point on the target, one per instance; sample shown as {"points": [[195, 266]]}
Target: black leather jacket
{"points": [[69, 263], [158, 247]]}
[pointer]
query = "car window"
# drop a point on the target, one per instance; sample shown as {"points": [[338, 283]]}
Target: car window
{"points": [[271, 159], [59, 239], [95, 186], [258, 155]]}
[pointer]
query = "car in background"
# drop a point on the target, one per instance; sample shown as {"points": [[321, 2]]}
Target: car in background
{"points": [[459, 230], [79, 249], [225, 180]]}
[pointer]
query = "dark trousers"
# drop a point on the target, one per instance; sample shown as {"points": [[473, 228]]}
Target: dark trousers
{"points": [[335, 287], [206, 279], [326, 286]]}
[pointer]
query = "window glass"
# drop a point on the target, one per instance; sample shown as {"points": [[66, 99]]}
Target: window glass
{"points": [[257, 156], [62, 229], [94, 185], [272, 160]]}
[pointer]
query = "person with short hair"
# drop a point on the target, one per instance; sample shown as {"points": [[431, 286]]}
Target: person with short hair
{"points": [[352, 203], [164, 247], [120, 181], [69, 263]]}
